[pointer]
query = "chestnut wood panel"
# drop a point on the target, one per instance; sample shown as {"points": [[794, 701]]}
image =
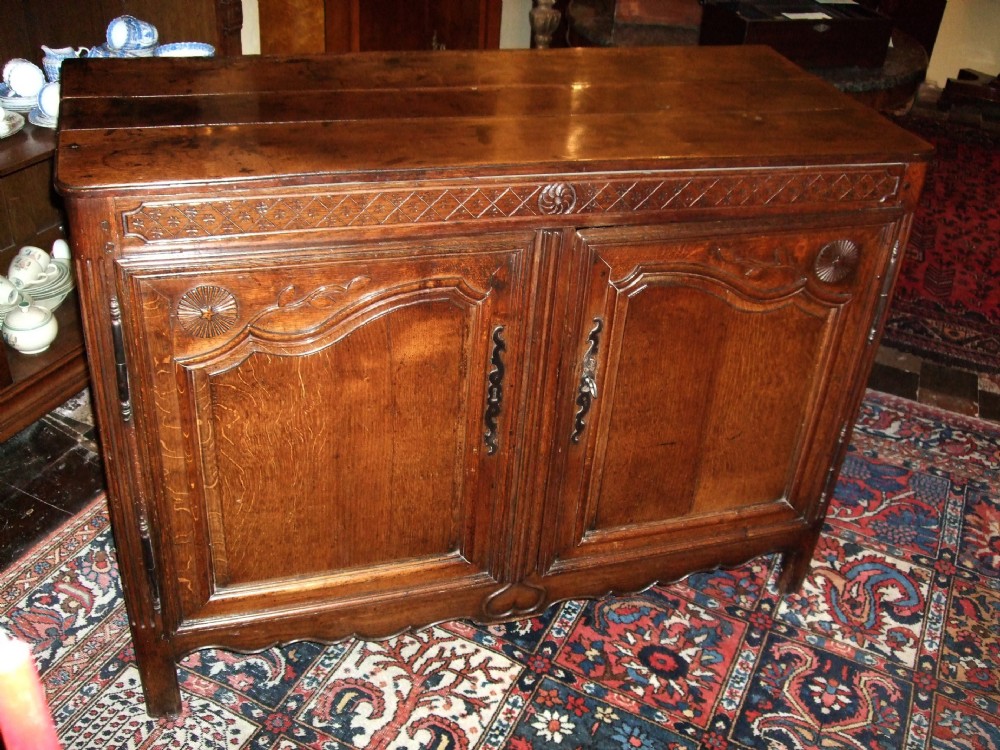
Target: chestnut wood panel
{"points": [[782, 127], [384, 339], [695, 422], [378, 355]]}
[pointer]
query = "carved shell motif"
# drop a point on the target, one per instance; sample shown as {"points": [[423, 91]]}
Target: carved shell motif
{"points": [[207, 311], [557, 198], [836, 261]]}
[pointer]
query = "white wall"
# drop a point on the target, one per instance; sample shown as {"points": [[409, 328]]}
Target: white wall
{"points": [[969, 37], [515, 28], [250, 36]]}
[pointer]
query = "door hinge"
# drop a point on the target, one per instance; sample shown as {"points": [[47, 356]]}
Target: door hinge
{"points": [[149, 561], [121, 371], [884, 293]]}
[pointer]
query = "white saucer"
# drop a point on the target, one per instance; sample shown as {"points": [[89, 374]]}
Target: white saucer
{"points": [[185, 49], [138, 52], [13, 122], [51, 292], [14, 103], [42, 120]]}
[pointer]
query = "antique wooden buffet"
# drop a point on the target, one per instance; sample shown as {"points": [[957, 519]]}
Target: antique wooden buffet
{"points": [[387, 339]]}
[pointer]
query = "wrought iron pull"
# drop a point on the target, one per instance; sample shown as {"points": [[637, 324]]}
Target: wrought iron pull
{"points": [[587, 391], [494, 392]]}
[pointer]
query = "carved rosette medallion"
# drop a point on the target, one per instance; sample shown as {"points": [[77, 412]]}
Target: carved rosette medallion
{"points": [[557, 198], [836, 261], [207, 311]]}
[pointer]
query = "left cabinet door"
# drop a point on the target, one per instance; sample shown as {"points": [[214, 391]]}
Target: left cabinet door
{"points": [[327, 429]]}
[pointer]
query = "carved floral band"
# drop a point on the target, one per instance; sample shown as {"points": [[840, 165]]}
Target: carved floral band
{"points": [[171, 221]]}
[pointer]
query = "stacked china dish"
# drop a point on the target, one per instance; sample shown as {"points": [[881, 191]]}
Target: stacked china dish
{"points": [[29, 89], [36, 284], [25, 90], [22, 82]]}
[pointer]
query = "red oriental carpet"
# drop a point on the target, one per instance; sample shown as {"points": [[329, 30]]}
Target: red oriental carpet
{"points": [[893, 643], [947, 303]]}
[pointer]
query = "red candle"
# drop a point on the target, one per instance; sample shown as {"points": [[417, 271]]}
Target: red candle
{"points": [[25, 721]]}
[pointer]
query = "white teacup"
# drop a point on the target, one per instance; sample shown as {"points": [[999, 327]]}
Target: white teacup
{"points": [[8, 292], [36, 253], [25, 271], [48, 100], [131, 33], [23, 77]]}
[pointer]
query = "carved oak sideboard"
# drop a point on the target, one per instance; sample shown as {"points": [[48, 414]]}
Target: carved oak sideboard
{"points": [[388, 339]]}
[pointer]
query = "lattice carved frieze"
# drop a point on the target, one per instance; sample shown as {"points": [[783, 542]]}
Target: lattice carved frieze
{"points": [[171, 221]]}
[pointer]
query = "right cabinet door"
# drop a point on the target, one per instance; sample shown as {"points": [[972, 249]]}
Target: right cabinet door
{"points": [[708, 375]]}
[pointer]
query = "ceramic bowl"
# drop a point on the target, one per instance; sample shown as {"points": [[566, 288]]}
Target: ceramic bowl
{"points": [[48, 100], [60, 250], [30, 329]]}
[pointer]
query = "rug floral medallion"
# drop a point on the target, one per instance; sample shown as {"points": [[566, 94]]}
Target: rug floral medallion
{"points": [[893, 642]]}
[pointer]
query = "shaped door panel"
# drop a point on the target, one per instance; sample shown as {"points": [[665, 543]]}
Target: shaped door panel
{"points": [[700, 406], [331, 430]]}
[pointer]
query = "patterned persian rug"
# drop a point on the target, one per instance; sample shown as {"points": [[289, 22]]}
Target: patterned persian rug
{"points": [[894, 641], [947, 302]]}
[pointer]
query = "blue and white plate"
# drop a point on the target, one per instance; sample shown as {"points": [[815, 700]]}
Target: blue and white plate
{"points": [[138, 52], [42, 120], [14, 103], [185, 49]]}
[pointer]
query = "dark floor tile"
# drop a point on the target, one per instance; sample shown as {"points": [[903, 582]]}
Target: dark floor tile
{"points": [[968, 407], [989, 406], [26, 455], [895, 381], [948, 381], [70, 482], [24, 521]]}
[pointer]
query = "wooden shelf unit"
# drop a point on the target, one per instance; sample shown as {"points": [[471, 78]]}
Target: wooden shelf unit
{"points": [[30, 214]]}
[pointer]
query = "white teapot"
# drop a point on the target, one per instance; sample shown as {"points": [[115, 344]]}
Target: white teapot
{"points": [[30, 329]]}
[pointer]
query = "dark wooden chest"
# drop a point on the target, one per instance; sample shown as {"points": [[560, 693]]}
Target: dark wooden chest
{"points": [[386, 339], [812, 34]]}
